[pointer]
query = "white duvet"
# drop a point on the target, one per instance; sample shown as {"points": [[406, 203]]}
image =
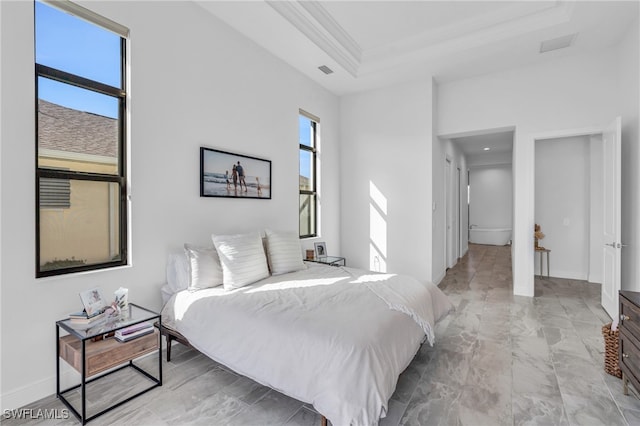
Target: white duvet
{"points": [[337, 338]]}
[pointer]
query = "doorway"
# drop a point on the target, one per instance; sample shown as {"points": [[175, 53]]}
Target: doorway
{"points": [[604, 241], [568, 206], [489, 148]]}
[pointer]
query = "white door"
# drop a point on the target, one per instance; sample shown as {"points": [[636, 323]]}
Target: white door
{"points": [[611, 251], [448, 215], [457, 213]]}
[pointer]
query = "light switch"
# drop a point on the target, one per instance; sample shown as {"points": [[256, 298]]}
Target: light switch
{"points": [[566, 221]]}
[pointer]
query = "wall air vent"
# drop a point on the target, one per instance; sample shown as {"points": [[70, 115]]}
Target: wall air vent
{"points": [[557, 43], [325, 69]]}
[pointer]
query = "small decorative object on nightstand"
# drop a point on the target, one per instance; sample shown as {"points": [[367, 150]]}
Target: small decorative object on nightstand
{"points": [[91, 349], [321, 249], [537, 235], [310, 254]]}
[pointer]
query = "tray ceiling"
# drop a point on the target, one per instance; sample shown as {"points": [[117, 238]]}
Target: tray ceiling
{"points": [[371, 44]]}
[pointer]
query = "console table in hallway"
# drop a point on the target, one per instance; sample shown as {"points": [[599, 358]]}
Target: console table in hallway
{"points": [[542, 251]]}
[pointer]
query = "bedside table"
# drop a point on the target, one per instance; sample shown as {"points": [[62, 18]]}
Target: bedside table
{"points": [[91, 350], [330, 260]]}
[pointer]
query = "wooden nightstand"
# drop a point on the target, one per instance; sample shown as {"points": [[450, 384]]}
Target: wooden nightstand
{"points": [[92, 351]]}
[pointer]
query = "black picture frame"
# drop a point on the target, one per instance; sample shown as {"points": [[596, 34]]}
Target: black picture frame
{"points": [[217, 180]]}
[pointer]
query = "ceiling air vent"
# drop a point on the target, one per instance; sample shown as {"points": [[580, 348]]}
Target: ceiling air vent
{"points": [[557, 43], [325, 69]]}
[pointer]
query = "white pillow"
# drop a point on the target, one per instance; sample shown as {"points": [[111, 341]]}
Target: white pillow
{"points": [[177, 272], [242, 258], [284, 252], [204, 267]]}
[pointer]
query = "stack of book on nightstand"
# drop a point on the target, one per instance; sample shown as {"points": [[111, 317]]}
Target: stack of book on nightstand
{"points": [[133, 331], [83, 318]]}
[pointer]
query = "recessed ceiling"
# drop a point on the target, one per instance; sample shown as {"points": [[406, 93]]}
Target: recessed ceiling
{"points": [[370, 44], [379, 24]]}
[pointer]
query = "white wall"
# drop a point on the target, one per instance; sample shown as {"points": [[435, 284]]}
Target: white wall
{"points": [[562, 93], [491, 196], [563, 204], [628, 69], [386, 151], [490, 158], [194, 82]]}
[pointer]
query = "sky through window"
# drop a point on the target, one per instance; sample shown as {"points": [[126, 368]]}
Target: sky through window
{"points": [[70, 44]]}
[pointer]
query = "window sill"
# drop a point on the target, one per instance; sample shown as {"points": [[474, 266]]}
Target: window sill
{"points": [[78, 274]]}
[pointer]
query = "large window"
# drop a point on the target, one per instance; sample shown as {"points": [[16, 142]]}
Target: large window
{"points": [[81, 181], [308, 130]]}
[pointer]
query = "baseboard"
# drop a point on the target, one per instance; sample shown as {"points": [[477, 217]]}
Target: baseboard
{"points": [[569, 275], [27, 394], [33, 392], [596, 279]]}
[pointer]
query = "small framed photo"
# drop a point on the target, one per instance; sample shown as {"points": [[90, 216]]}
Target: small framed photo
{"points": [[321, 249], [93, 301]]}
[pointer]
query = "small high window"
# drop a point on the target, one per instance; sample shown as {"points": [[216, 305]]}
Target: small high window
{"points": [[308, 184], [81, 194]]}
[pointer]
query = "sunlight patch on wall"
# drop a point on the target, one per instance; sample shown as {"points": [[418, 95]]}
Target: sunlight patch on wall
{"points": [[377, 229]]}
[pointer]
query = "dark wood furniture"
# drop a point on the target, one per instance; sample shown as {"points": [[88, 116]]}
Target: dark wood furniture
{"points": [[170, 334], [629, 347]]}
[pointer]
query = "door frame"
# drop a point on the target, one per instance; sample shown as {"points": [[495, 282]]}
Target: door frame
{"points": [[448, 213], [524, 203], [458, 213]]}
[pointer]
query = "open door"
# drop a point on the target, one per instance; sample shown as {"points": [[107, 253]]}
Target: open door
{"points": [[612, 217], [449, 215]]}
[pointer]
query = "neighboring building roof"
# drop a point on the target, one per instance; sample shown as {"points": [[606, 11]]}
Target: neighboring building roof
{"points": [[66, 129]]}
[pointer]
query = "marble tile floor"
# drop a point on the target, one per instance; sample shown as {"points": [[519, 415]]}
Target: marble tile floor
{"points": [[499, 359]]}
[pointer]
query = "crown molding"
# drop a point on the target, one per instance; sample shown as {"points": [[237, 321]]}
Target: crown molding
{"points": [[320, 28], [473, 33], [326, 20]]}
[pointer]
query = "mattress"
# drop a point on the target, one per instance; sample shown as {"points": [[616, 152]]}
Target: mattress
{"points": [[334, 337]]}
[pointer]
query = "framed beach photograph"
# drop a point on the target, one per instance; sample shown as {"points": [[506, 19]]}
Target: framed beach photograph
{"points": [[321, 249], [225, 174], [93, 301]]}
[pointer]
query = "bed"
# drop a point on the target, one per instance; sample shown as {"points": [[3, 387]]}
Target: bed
{"points": [[334, 337]]}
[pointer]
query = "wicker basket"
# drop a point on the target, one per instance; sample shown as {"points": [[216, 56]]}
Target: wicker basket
{"points": [[611, 351]]}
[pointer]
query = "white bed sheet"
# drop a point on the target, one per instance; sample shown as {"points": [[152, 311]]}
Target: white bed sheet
{"points": [[334, 337]]}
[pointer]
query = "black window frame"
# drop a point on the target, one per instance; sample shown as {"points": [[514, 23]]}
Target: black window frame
{"points": [[315, 121], [120, 178]]}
